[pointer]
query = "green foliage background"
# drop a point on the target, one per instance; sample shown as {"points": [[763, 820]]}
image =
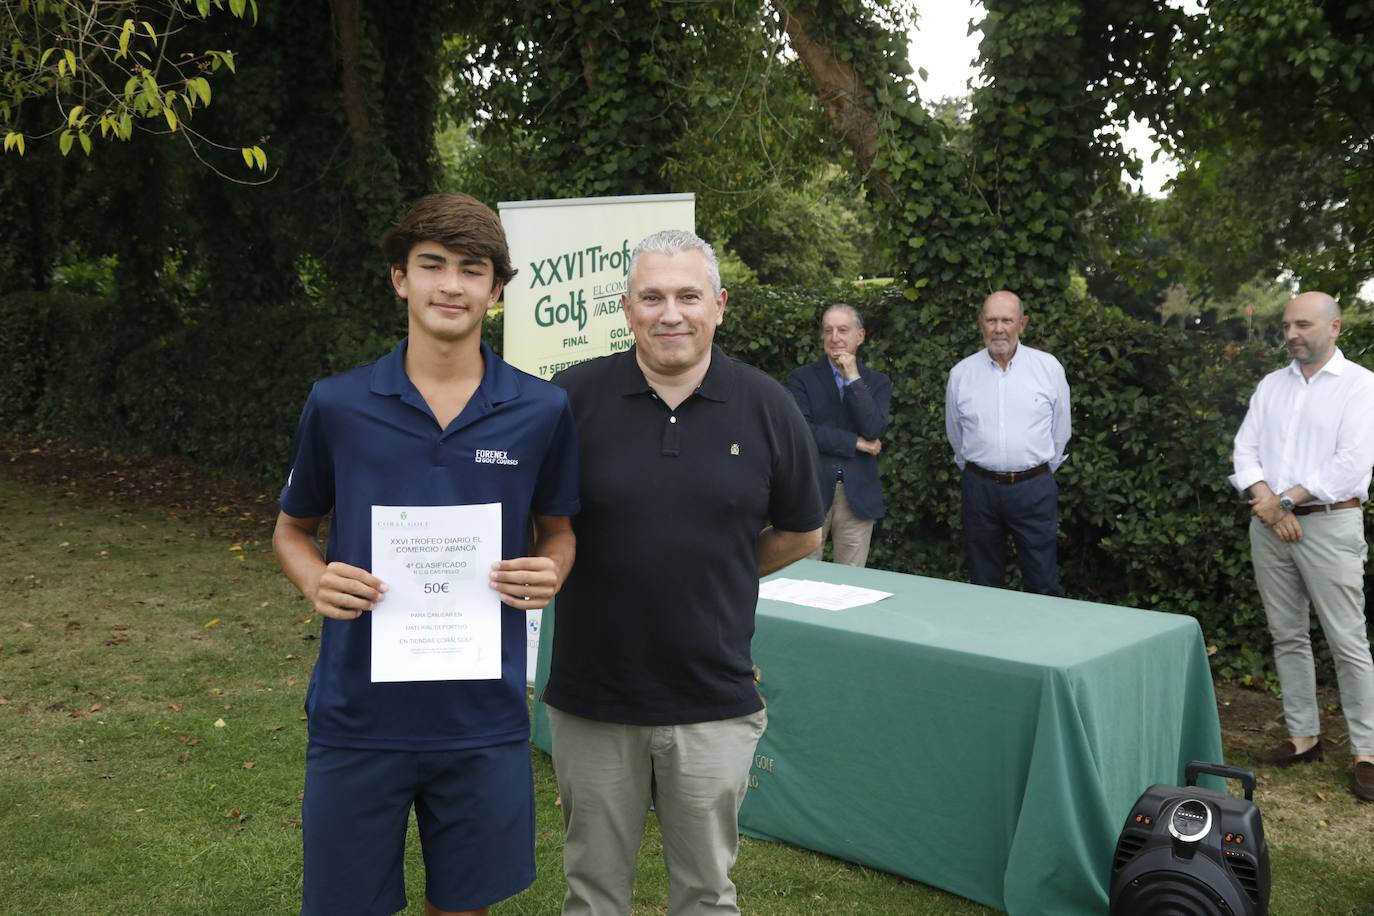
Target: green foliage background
{"points": [[202, 310], [1147, 518]]}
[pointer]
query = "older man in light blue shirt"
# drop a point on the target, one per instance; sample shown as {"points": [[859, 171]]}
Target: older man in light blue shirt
{"points": [[1007, 419]]}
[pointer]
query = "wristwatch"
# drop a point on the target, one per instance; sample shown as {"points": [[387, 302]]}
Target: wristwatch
{"points": [[1286, 502]]}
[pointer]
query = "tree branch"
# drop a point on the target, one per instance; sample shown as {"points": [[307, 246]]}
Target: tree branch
{"points": [[848, 104], [347, 26]]}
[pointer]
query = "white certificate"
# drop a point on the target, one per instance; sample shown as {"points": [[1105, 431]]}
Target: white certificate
{"points": [[825, 595], [439, 619]]}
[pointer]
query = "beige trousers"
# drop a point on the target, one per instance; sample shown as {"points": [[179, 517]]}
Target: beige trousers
{"points": [[1324, 571], [852, 534], [695, 776]]}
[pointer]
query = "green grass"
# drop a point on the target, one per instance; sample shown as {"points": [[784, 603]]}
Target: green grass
{"points": [[127, 637]]}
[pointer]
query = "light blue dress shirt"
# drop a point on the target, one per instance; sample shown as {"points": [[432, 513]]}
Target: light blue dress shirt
{"points": [[1009, 419], [840, 380]]}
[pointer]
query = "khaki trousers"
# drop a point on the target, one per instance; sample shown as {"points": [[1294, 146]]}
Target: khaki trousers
{"points": [[1323, 571], [695, 776], [852, 534]]}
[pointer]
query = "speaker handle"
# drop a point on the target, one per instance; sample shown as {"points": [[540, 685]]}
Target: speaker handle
{"points": [[1247, 779]]}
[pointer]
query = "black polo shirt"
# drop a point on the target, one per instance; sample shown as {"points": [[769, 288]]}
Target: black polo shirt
{"points": [[655, 620]]}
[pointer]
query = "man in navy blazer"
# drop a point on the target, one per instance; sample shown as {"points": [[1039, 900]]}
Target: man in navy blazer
{"points": [[846, 404]]}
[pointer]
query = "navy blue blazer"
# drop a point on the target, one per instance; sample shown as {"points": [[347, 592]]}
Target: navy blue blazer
{"points": [[836, 424]]}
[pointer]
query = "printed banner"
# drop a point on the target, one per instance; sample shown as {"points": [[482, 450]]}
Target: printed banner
{"points": [[563, 307]]}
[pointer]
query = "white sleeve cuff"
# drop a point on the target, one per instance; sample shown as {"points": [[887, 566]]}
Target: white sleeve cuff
{"points": [[1245, 478], [1319, 492]]}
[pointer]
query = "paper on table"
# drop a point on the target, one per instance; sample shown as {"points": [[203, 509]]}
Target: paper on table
{"points": [[825, 595], [439, 619]]}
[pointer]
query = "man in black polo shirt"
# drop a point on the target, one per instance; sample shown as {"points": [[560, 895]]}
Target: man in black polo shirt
{"points": [[686, 457]]}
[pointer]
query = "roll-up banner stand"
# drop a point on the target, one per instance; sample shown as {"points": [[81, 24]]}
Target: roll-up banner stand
{"points": [[563, 307]]}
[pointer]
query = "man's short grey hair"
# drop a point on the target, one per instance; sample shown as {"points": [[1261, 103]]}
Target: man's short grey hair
{"points": [[673, 241], [844, 307]]}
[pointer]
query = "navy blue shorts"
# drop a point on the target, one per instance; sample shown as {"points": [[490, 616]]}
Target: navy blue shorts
{"points": [[475, 810]]}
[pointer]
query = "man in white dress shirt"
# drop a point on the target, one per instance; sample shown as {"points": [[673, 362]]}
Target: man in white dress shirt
{"points": [[1007, 419], [1304, 454]]}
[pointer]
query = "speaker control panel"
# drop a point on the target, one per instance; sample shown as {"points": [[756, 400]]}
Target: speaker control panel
{"points": [[1190, 821]]}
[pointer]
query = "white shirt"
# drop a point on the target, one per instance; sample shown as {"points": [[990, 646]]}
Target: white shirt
{"points": [[1318, 432], [1008, 420]]}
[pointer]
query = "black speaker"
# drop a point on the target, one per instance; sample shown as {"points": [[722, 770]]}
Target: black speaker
{"points": [[1192, 852]]}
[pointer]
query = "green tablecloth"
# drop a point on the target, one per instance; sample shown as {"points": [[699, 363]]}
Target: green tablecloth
{"points": [[983, 741]]}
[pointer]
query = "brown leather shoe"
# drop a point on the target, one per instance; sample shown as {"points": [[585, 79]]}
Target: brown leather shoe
{"points": [[1362, 781], [1285, 754]]}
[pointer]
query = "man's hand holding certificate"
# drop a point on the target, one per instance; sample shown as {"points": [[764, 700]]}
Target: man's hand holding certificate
{"points": [[344, 592]]}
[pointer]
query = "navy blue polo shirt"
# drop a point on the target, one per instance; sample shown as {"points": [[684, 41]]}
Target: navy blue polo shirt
{"points": [[656, 618], [368, 438]]}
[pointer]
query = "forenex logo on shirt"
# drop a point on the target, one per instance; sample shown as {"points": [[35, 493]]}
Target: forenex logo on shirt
{"points": [[490, 456]]}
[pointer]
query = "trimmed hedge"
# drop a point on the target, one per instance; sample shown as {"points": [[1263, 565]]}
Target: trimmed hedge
{"points": [[1147, 518], [225, 394]]}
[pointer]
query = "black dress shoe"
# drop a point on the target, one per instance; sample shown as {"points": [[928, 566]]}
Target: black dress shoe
{"points": [[1285, 754], [1362, 781]]}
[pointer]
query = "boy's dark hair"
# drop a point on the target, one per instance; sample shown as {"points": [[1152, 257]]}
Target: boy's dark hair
{"points": [[455, 220]]}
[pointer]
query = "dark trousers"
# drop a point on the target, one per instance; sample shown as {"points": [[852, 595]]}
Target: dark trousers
{"points": [[1028, 510]]}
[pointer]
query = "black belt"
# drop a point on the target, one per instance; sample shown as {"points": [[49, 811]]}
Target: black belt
{"points": [[1009, 476]]}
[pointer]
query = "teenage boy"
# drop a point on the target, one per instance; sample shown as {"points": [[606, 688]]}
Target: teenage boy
{"points": [[418, 428]]}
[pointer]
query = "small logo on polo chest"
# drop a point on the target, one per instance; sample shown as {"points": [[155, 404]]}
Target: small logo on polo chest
{"points": [[492, 456]]}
